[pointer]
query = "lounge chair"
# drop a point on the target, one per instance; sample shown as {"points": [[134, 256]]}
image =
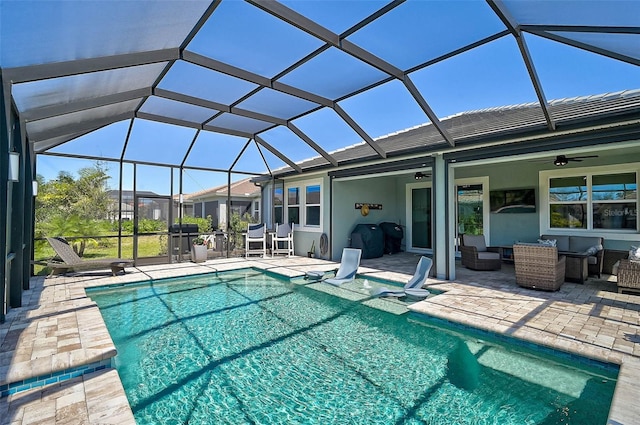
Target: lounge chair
{"points": [[348, 267], [284, 234], [256, 233], [476, 255], [71, 260], [413, 288]]}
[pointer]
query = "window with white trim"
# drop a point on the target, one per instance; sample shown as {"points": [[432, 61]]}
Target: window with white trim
{"points": [[312, 204], [304, 205], [293, 205], [606, 201]]}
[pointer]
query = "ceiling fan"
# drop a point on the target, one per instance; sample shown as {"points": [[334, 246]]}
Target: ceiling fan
{"points": [[562, 160]]}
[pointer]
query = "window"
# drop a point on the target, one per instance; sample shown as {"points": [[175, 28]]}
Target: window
{"points": [[304, 204], [256, 210], [312, 202], [598, 201], [293, 205], [568, 202], [277, 204], [614, 201]]}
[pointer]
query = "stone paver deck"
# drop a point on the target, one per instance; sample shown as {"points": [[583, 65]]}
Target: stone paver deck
{"points": [[59, 331]]}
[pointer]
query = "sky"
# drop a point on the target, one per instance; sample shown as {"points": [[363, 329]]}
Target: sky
{"points": [[489, 76]]}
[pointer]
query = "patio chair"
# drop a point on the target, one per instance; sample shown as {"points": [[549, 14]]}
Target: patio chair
{"points": [[71, 261], [476, 255], [538, 267], [348, 267], [283, 234], [628, 276], [413, 288], [256, 234]]}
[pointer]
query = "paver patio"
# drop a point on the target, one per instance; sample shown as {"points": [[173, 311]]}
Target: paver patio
{"points": [[59, 329]]}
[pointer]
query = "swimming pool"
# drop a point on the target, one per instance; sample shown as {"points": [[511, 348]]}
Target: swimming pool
{"points": [[247, 347]]}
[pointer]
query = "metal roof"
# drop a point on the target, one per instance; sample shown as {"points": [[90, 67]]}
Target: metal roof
{"points": [[256, 86]]}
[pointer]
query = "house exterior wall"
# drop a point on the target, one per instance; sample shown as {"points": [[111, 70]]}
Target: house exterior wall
{"points": [[303, 237], [509, 228], [385, 190]]}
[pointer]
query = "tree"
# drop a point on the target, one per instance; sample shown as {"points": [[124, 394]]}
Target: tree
{"points": [[66, 206], [85, 197]]}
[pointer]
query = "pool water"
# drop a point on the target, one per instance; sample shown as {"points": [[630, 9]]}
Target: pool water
{"points": [[244, 347]]}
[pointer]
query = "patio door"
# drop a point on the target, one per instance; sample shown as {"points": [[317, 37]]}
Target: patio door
{"points": [[472, 208], [151, 230], [418, 237]]}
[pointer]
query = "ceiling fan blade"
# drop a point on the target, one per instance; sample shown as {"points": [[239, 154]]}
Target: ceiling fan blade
{"points": [[584, 157]]}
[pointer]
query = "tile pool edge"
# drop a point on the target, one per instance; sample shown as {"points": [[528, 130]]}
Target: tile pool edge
{"points": [[53, 378]]}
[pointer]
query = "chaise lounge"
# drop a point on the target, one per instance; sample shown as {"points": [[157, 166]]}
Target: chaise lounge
{"points": [[348, 269], [71, 261], [413, 288]]}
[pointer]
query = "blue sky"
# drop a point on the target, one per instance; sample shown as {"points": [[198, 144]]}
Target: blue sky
{"points": [[489, 76]]}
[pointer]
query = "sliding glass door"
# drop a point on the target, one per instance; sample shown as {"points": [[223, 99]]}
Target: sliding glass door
{"points": [[418, 237]]}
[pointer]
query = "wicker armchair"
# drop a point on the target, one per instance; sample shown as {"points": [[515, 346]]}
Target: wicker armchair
{"points": [[629, 276], [538, 267], [476, 255]]}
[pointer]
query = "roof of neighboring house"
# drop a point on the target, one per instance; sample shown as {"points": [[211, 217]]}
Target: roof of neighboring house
{"points": [[241, 188], [113, 194], [500, 124]]}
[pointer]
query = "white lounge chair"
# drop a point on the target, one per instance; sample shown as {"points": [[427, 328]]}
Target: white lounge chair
{"points": [[348, 267], [413, 288]]}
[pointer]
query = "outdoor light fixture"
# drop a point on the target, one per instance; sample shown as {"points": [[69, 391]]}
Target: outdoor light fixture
{"points": [[420, 175], [14, 166]]}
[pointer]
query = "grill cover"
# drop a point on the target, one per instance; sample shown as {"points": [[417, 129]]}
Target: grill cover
{"points": [[370, 239], [393, 235]]}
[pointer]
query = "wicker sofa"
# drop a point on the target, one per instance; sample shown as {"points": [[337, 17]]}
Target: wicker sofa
{"points": [[580, 244], [538, 266]]}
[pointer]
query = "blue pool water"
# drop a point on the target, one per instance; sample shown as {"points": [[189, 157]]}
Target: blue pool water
{"points": [[247, 348]]}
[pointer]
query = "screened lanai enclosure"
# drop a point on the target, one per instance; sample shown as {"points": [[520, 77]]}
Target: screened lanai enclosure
{"points": [[177, 103]]}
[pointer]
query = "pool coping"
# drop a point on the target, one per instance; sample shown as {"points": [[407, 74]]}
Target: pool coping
{"points": [[65, 299]]}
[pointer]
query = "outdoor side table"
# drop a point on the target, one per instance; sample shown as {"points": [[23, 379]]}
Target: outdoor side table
{"points": [[577, 267]]}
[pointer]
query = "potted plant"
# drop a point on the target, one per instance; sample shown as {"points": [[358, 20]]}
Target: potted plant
{"points": [[199, 250]]}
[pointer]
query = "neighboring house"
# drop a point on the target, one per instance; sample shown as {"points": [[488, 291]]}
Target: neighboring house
{"points": [[148, 208], [244, 198]]}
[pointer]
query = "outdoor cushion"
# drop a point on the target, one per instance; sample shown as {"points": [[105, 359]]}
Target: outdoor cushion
{"points": [[583, 243], [475, 240], [485, 255]]}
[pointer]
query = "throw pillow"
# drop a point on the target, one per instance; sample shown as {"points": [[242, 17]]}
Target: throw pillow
{"points": [[593, 250], [547, 242], [634, 254]]}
